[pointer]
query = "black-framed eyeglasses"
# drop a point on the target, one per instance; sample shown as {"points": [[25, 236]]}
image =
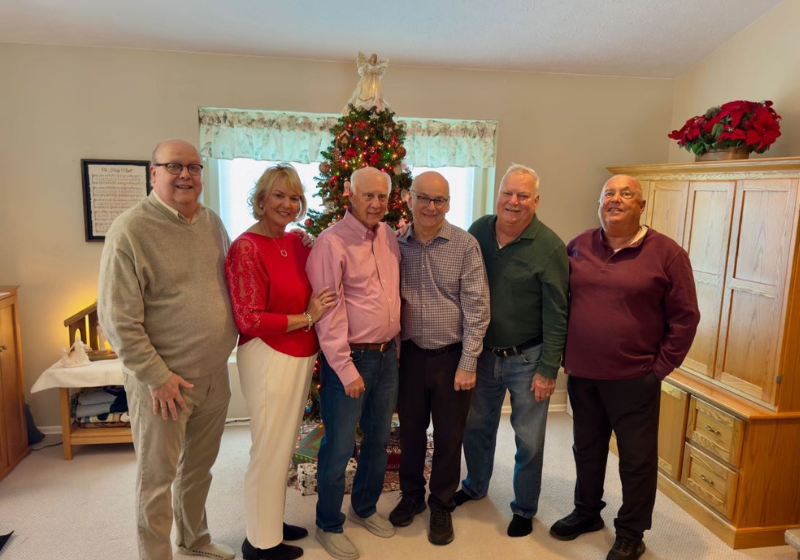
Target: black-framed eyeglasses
{"points": [[425, 199], [177, 168]]}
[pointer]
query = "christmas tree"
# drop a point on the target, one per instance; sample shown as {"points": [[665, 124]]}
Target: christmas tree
{"points": [[362, 137], [365, 135]]}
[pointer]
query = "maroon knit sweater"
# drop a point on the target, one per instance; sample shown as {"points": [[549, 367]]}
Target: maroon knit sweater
{"points": [[631, 312]]}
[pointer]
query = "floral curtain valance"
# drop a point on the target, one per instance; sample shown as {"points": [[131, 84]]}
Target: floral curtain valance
{"points": [[264, 135], [301, 137], [450, 143]]}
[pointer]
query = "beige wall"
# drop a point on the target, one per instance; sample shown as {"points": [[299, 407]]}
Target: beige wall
{"points": [[761, 62], [61, 104]]}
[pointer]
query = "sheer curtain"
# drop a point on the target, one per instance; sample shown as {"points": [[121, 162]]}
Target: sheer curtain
{"points": [[301, 137]]}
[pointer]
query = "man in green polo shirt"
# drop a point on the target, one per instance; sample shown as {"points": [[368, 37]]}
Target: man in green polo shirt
{"points": [[528, 272]]}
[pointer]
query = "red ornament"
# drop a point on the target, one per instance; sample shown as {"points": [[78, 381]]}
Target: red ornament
{"points": [[309, 222], [374, 159], [401, 151], [350, 153]]}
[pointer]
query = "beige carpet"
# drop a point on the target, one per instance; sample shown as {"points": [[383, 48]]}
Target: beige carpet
{"points": [[83, 510]]}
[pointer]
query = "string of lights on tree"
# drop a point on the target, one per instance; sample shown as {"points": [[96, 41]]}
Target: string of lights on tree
{"points": [[361, 138]]}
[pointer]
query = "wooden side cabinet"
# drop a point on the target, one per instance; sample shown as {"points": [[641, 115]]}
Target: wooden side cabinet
{"points": [[13, 432]]}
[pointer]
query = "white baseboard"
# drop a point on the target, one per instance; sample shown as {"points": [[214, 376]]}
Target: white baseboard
{"points": [[558, 403]]}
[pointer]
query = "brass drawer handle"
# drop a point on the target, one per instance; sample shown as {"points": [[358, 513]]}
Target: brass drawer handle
{"points": [[704, 479], [3, 347], [712, 430]]}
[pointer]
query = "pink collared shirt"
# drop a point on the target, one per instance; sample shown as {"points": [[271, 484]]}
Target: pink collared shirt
{"points": [[362, 267]]}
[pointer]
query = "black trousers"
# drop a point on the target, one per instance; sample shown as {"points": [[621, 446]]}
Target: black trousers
{"points": [[426, 391], [630, 407]]}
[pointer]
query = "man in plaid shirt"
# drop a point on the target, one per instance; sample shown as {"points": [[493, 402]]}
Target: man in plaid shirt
{"points": [[445, 312]]}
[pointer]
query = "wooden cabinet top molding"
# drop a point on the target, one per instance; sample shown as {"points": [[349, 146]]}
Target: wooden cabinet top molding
{"points": [[7, 291], [735, 169]]}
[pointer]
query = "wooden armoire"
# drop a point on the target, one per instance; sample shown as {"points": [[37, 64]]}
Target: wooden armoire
{"points": [[729, 436]]}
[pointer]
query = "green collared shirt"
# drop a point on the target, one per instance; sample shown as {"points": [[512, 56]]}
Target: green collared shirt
{"points": [[528, 285]]}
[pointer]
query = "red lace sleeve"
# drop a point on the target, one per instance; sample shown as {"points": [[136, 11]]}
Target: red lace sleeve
{"points": [[248, 286]]}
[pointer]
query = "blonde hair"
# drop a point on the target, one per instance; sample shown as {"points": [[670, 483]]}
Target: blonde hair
{"points": [[264, 186]]}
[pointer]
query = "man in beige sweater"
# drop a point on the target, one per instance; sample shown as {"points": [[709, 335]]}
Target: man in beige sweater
{"points": [[164, 306]]}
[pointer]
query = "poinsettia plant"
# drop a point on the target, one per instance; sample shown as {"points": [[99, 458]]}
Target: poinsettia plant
{"points": [[736, 124]]}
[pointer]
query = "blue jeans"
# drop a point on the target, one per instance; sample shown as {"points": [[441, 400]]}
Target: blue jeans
{"points": [[340, 415], [528, 418]]}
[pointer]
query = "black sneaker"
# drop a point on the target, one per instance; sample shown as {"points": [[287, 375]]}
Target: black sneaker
{"points": [[293, 532], [626, 549], [278, 552], [441, 528], [520, 526], [461, 497], [403, 513], [574, 525]]}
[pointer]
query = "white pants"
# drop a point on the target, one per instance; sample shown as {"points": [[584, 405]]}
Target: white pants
{"points": [[275, 388]]}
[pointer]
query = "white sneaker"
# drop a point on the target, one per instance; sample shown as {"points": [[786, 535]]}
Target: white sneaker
{"points": [[337, 545], [375, 524], [218, 551]]}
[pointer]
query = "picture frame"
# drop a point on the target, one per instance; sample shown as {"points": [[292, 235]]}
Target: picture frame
{"points": [[111, 186]]}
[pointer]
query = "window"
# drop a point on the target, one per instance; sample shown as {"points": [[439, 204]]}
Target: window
{"points": [[230, 183]]}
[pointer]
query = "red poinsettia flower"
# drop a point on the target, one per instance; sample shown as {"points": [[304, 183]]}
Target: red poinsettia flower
{"points": [[763, 132], [734, 124]]}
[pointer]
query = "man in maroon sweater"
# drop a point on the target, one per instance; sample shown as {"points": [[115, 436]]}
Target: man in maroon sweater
{"points": [[633, 316]]}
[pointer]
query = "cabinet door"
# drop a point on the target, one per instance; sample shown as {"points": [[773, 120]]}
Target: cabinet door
{"points": [[666, 208], [753, 301], [11, 407], [646, 189], [708, 226], [671, 429]]}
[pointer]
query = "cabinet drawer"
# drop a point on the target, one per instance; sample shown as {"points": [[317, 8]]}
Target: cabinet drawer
{"points": [[716, 431], [709, 480]]}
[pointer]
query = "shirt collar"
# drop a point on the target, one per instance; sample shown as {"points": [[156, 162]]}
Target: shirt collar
{"points": [[529, 232], [637, 240], [175, 212], [445, 232], [354, 224]]}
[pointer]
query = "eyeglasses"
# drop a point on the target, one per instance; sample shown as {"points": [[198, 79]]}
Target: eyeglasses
{"points": [[177, 168], [425, 199]]}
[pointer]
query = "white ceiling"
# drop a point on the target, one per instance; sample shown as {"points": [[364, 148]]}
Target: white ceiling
{"points": [[647, 38]]}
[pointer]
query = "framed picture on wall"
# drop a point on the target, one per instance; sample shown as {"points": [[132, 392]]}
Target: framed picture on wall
{"points": [[110, 187]]}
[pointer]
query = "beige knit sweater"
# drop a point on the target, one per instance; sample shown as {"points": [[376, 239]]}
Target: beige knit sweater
{"points": [[163, 301]]}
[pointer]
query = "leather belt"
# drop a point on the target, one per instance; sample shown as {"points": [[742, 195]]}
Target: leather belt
{"points": [[374, 346], [514, 350]]}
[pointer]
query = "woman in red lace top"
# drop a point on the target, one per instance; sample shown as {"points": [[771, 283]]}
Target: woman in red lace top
{"points": [[274, 310]]}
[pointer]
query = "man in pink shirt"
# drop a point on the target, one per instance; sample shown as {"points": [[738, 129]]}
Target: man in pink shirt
{"points": [[359, 260]]}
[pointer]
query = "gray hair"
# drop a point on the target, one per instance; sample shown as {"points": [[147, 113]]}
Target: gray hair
{"points": [[365, 172], [518, 169]]}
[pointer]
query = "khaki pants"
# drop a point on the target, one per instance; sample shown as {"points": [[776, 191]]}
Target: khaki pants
{"points": [[275, 388], [174, 460]]}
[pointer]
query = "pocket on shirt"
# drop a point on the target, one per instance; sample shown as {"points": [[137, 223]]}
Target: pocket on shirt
{"points": [[518, 271]]}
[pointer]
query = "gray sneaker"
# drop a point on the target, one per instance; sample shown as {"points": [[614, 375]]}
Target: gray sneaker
{"points": [[337, 545], [375, 524]]}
